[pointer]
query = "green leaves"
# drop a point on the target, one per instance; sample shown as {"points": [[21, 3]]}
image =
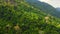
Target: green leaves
{"points": [[21, 19]]}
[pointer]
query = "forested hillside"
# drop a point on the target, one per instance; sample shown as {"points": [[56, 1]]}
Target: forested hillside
{"points": [[18, 17], [45, 7]]}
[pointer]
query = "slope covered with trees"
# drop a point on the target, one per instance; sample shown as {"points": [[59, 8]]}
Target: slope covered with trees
{"points": [[22, 18], [45, 7]]}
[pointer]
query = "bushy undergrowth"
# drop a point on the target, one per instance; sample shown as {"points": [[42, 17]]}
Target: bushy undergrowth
{"points": [[21, 18]]}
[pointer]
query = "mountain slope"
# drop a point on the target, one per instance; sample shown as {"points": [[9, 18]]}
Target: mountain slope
{"points": [[58, 9], [22, 18], [44, 7]]}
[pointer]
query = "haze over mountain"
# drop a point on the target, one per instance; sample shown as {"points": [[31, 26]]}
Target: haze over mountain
{"points": [[54, 3], [58, 9]]}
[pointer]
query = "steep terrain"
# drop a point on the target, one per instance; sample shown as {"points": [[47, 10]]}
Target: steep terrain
{"points": [[44, 7], [22, 18]]}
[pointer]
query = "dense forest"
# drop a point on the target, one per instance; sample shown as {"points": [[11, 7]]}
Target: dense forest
{"points": [[45, 7], [19, 17]]}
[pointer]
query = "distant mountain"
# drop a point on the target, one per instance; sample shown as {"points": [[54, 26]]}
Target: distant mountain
{"points": [[41, 5], [44, 7], [57, 13], [58, 9]]}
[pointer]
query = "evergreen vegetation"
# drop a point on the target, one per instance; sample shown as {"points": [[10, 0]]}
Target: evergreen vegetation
{"points": [[18, 17]]}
